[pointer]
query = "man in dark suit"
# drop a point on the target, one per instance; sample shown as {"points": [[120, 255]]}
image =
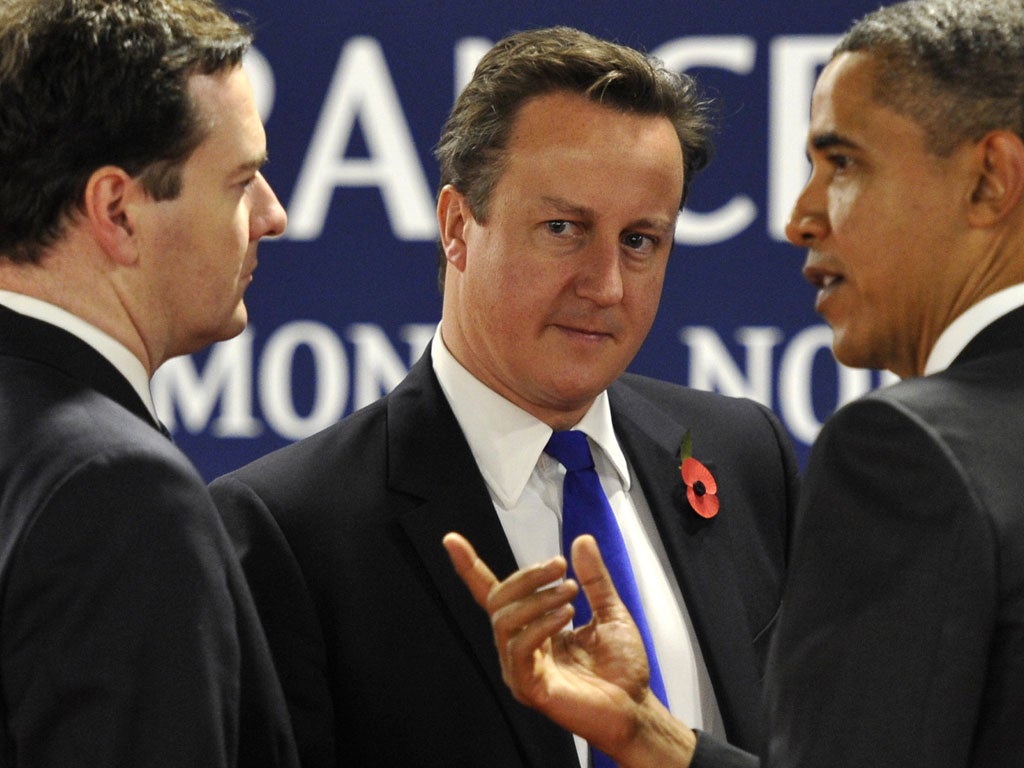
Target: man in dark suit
{"points": [[564, 164], [901, 636], [131, 205]]}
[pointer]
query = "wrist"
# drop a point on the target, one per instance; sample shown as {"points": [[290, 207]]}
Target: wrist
{"points": [[656, 738]]}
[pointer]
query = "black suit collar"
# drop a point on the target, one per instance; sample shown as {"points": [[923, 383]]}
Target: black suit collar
{"points": [[428, 457], [1002, 335], [31, 339]]}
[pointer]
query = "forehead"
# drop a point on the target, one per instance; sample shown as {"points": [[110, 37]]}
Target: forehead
{"points": [[569, 117], [227, 113], [844, 90], [569, 138], [844, 108]]}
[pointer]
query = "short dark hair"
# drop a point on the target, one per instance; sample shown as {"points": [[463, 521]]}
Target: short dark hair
{"points": [[88, 83], [525, 65], [955, 67]]}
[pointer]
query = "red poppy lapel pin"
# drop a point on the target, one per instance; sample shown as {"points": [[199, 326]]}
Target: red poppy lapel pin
{"points": [[701, 486]]}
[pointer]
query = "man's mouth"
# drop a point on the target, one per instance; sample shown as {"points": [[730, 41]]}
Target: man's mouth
{"points": [[826, 281]]}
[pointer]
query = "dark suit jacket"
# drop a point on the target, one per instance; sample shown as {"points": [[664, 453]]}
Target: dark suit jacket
{"points": [[901, 639], [127, 634], [382, 651]]}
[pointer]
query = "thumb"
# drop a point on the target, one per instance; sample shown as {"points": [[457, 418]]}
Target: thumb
{"points": [[595, 580], [471, 569]]}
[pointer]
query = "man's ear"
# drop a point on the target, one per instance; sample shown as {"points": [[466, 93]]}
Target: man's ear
{"points": [[452, 215], [107, 207], [999, 171]]}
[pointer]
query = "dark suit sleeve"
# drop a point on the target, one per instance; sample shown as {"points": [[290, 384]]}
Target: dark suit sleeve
{"points": [[288, 616], [881, 649], [119, 643], [714, 753]]}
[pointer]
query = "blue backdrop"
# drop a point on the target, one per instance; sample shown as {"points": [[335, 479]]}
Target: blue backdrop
{"points": [[354, 93]]}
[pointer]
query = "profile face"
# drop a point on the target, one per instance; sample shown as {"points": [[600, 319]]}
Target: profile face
{"points": [[549, 299], [879, 214], [204, 241]]}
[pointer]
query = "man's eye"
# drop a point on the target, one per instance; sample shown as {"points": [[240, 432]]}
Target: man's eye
{"points": [[840, 162], [558, 227], [639, 242]]}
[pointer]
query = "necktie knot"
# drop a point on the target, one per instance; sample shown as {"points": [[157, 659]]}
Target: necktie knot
{"points": [[570, 449]]}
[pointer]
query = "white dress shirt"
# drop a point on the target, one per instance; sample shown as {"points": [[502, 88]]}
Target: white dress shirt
{"points": [[960, 332], [110, 348], [525, 485]]}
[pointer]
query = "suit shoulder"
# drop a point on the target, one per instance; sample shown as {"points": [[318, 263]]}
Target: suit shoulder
{"points": [[77, 443], [950, 407], [891, 443], [118, 496], [348, 443], [660, 389], [82, 431], [965, 423], [676, 399], [882, 422]]}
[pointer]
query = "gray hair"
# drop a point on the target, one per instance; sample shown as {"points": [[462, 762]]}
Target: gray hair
{"points": [[955, 67]]}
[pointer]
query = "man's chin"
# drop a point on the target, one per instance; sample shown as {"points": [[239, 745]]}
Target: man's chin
{"points": [[853, 355], [226, 330], [234, 326]]}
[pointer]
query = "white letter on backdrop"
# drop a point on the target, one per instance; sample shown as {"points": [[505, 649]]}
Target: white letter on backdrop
{"points": [[735, 54], [362, 89], [794, 69]]}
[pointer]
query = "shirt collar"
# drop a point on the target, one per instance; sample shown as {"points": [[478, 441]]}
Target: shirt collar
{"points": [[505, 440], [958, 334], [116, 353]]}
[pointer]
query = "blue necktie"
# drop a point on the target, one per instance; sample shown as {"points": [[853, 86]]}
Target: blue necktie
{"points": [[585, 509]]}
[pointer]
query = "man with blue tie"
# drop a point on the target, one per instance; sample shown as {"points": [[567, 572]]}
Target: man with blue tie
{"points": [[900, 637], [564, 164]]}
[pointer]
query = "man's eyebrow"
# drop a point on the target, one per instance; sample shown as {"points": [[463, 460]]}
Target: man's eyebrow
{"points": [[254, 164], [566, 206], [658, 225], [830, 140]]}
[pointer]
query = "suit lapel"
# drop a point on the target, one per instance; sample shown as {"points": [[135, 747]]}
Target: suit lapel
{"points": [[700, 554], [430, 458]]}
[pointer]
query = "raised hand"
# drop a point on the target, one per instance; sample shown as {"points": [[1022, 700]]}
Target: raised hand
{"points": [[591, 680]]}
